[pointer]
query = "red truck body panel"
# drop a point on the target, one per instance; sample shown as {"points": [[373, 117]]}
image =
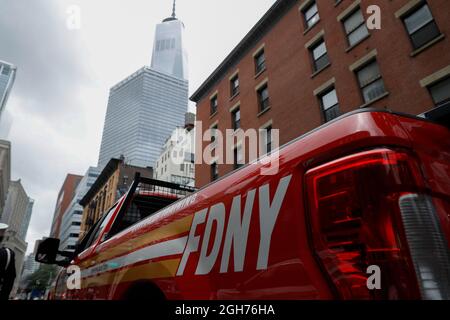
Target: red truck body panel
{"points": [[155, 249]]}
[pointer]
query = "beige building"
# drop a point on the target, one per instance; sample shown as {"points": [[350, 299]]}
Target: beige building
{"points": [[15, 215], [113, 182]]}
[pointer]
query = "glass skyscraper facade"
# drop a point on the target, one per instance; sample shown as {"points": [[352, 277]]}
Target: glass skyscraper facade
{"points": [[7, 77], [169, 52], [144, 109]]}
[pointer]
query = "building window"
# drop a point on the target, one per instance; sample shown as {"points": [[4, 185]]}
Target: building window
{"points": [[236, 115], [260, 61], [214, 172], [213, 133], [440, 92], [371, 82], [330, 105], [263, 98], [238, 157], [355, 27], [268, 141], [214, 104], [182, 167], [320, 55], [421, 26], [311, 15], [234, 85], [6, 70]]}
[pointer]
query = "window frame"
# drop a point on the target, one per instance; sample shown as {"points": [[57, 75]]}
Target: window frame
{"points": [[372, 81], [308, 20], [429, 88], [236, 159], [214, 171], [314, 46], [432, 21], [363, 23], [263, 105], [234, 89], [322, 106], [236, 123], [268, 141], [260, 67], [214, 104]]}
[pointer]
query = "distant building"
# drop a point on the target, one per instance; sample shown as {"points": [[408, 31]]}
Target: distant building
{"points": [[71, 220], [144, 108], [176, 162], [15, 215], [7, 77], [27, 218], [30, 266], [113, 182], [5, 172], [65, 196]]}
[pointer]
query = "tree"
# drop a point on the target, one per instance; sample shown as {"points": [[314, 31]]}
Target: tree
{"points": [[42, 278]]}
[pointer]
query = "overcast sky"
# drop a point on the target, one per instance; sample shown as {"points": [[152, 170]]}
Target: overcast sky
{"points": [[56, 111]]}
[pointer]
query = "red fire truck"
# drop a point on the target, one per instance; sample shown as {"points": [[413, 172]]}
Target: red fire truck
{"points": [[368, 191]]}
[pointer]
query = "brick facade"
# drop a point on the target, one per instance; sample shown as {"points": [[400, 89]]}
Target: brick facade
{"points": [[293, 86]]}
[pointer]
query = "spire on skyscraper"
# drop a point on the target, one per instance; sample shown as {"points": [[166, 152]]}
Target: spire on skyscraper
{"points": [[173, 16], [173, 10]]}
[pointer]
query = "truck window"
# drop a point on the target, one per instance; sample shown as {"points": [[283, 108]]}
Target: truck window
{"points": [[94, 232], [101, 226], [145, 198], [141, 207]]}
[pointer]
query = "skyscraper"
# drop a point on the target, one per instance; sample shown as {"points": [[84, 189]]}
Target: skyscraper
{"points": [[169, 52], [144, 108], [7, 77]]}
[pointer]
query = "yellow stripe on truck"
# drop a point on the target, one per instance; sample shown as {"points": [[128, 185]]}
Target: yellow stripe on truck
{"points": [[168, 231], [152, 270]]}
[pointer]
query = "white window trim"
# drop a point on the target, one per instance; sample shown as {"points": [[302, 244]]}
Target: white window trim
{"points": [[235, 107], [315, 39], [322, 88], [364, 60], [259, 50], [349, 10], [435, 77], [262, 84], [408, 8]]}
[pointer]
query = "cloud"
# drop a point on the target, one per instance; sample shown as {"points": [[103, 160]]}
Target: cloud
{"points": [[49, 132], [33, 36]]}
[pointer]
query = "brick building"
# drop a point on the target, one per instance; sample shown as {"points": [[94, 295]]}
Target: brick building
{"points": [[65, 196], [306, 62], [112, 183]]}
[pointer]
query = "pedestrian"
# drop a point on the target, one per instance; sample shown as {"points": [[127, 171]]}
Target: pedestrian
{"points": [[7, 266]]}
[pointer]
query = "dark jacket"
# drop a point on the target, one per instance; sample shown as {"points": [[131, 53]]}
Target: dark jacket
{"points": [[7, 273]]}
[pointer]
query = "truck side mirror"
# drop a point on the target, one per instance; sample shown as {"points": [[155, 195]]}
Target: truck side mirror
{"points": [[47, 251]]}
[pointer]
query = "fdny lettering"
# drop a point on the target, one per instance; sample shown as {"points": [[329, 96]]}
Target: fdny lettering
{"points": [[236, 231]]}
